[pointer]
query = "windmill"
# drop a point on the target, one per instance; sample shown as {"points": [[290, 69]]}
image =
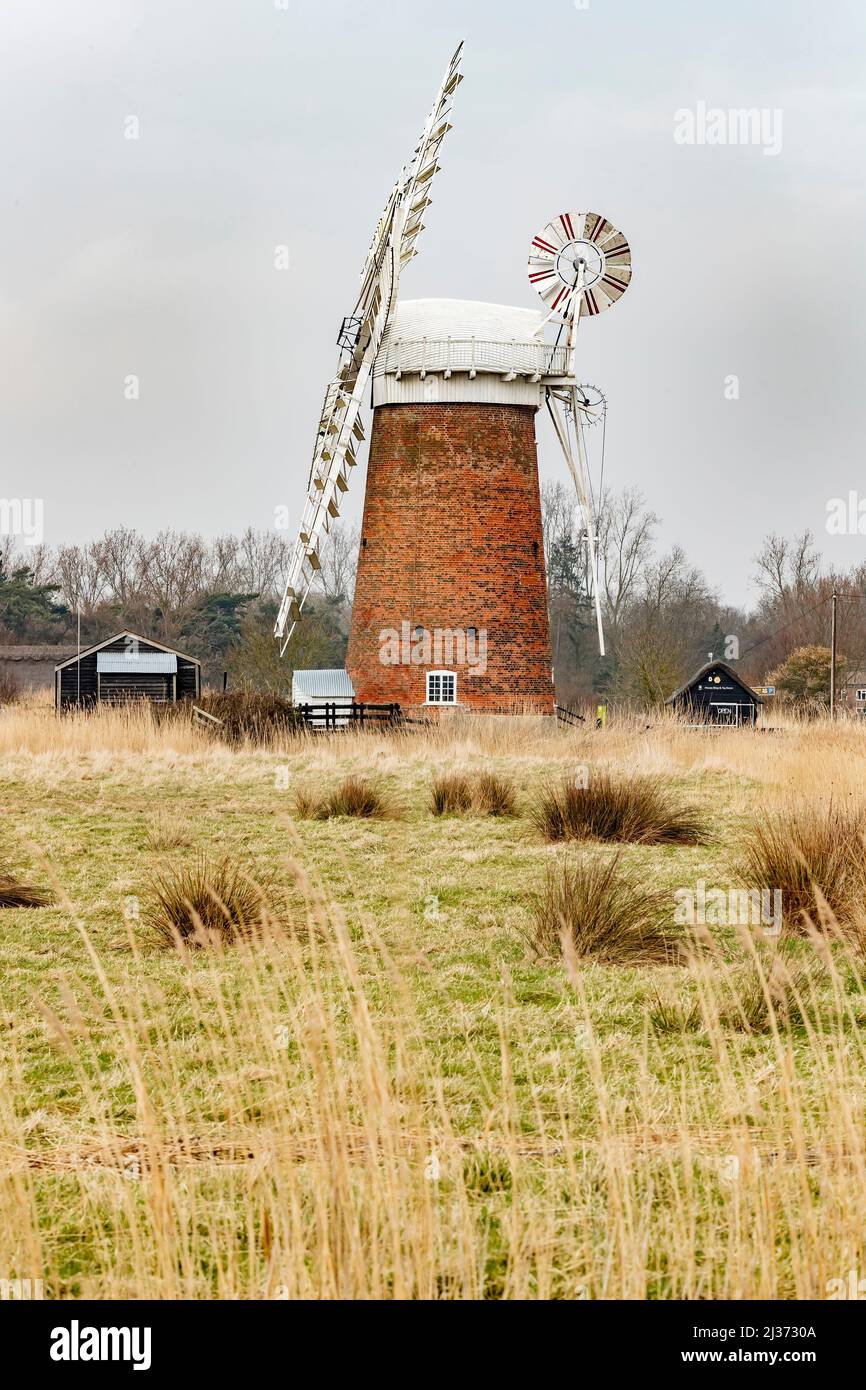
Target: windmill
{"points": [[451, 598]]}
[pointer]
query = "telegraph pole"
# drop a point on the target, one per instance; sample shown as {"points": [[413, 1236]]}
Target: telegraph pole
{"points": [[833, 657]]}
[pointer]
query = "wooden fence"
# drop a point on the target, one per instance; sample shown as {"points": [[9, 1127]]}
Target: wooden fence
{"points": [[349, 714], [569, 716]]}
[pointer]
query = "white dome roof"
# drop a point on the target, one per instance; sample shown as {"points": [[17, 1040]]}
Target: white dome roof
{"points": [[462, 318]]}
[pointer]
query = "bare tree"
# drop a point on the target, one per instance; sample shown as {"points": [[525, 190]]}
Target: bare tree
{"points": [[661, 627], [336, 578], [263, 562], [119, 554], [174, 576], [626, 538], [81, 577]]}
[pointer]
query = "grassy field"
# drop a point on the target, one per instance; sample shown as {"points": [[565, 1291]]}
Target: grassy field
{"points": [[387, 1093]]}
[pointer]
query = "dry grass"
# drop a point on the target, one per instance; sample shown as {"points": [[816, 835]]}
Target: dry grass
{"points": [[252, 716], [15, 894], [167, 832], [816, 856], [376, 1108], [451, 794], [678, 1015], [10, 691], [638, 810], [355, 796], [203, 901], [494, 795], [769, 994], [595, 910], [488, 793]]}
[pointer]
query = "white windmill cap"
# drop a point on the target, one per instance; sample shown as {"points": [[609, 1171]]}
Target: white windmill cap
{"points": [[440, 350], [462, 318]]}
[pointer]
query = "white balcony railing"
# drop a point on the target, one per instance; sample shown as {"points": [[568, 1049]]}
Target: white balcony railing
{"points": [[420, 356]]}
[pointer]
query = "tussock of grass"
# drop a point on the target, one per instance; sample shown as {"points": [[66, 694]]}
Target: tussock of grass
{"points": [[306, 803], [768, 994], [165, 833], [354, 796], [636, 809], [603, 913], [495, 795], [450, 794], [15, 894], [810, 853], [454, 793], [486, 1173], [204, 901], [674, 1016]]}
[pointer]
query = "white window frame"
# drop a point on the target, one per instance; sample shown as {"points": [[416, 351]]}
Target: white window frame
{"points": [[861, 694], [452, 676]]}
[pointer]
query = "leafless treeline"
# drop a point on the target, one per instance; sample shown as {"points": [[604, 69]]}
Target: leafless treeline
{"points": [[175, 570], [662, 618]]}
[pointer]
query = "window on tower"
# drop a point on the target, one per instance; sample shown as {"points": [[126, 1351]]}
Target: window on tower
{"points": [[441, 688]]}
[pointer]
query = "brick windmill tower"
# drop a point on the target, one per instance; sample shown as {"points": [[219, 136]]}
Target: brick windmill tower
{"points": [[450, 600]]}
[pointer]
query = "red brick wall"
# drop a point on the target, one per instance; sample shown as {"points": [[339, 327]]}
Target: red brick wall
{"points": [[451, 539]]}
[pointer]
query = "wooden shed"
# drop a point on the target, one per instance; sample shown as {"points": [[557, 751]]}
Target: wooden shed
{"points": [[717, 695], [126, 667]]}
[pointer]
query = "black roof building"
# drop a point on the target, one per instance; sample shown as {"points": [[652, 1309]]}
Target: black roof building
{"points": [[717, 695], [126, 667]]}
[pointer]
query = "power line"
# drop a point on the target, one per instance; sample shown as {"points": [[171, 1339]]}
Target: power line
{"points": [[805, 613]]}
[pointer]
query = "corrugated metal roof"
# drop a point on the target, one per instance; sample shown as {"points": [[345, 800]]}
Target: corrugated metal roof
{"points": [[321, 685], [136, 663], [129, 641]]}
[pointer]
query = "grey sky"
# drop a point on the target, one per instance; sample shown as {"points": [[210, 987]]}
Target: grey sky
{"points": [[261, 126]]}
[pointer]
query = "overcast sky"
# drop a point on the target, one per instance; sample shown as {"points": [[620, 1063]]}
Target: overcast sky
{"points": [[261, 125]]}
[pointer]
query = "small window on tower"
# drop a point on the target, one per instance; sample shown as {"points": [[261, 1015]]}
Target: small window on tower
{"points": [[441, 688], [535, 549]]}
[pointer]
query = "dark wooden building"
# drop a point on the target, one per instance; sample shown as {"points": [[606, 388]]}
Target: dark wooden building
{"points": [[126, 667], [717, 695]]}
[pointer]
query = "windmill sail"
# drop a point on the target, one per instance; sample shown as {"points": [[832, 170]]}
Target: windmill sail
{"points": [[341, 429]]}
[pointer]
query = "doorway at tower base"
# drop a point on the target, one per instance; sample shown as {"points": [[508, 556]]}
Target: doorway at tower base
{"points": [[450, 605]]}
